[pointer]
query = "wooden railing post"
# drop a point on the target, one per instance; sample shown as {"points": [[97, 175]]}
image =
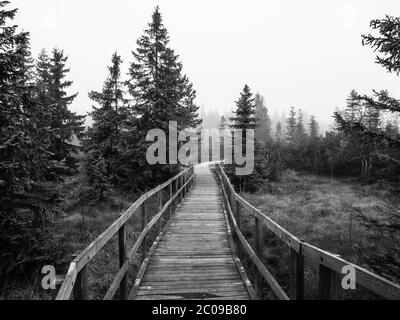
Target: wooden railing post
{"points": [[183, 183], [233, 203], [81, 288], [144, 223], [170, 197], [122, 260], [183, 190], [160, 201], [296, 275], [238, 208], [175, 191], [328, 283], [258, 237]]}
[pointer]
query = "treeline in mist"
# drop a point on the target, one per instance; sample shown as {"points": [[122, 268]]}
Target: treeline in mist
{"points": [[365, 142]]}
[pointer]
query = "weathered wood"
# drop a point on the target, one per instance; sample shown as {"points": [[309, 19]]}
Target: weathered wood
{"points": [[328, 283], [160, 201], [68, 284], [258, 242], [292, 241], [86, 255], [132, 253], [122, 260], [170, 207], [81, 289], [144, 223], [296, 275], [276, 288], [377, 284], [194, 249]]}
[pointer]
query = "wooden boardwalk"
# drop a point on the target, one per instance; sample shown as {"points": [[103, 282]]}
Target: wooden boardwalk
{"points": [[193, 258]]}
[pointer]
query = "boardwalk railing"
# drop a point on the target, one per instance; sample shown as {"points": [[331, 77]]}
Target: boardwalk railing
{"points": [[76, 280], [330, 265]]}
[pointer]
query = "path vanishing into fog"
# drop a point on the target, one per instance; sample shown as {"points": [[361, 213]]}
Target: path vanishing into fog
{"points": [[193, 259], [187, 249]]}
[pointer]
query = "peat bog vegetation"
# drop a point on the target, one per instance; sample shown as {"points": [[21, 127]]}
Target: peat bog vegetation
{"points": [[64, 182], [341, 216]]}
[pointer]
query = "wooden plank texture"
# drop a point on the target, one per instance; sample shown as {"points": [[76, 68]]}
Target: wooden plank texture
{"points": [[193, 259]]}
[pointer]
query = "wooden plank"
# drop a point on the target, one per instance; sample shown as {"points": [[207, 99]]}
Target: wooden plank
{"points": [[276, 288], [144, 224], [81, 289], [132, 253], [68, 284], [292, 241], [193, 260], [98, 244], [377, 284], [216, 291], [89, 252], [238, 263], [328, 283], [215, 284], [258, 237], [296, 275], [122, 260]]}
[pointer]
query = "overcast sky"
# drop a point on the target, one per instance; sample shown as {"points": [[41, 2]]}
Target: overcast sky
{"points": [[306, 54]]}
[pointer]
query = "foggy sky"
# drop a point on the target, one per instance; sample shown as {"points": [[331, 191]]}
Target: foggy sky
{"points": [[306, 54]]}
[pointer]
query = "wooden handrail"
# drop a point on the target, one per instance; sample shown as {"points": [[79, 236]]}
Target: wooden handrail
{"points": [[80, 262], [253, 256], [330, 265], [113, 288]]}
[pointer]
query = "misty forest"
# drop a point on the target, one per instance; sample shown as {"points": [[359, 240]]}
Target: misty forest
{"points": [[64, 179]]}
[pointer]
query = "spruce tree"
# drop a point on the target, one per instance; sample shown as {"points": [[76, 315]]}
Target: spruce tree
{"points": [[369, 132], [278, 133], [62, 120], [300, 130], [103, 140], [263, 129], [222, 124], [244, 119], [244, 115], [353, 107], [42, 75], [291, 125], [27, 198], [314, 128], [161, 93]]}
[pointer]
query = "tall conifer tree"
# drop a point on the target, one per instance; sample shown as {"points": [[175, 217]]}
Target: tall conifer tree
{"points": [[27, 199], [291, 126], [161, 93], [63, 120], [263, 129], [104, 139]]}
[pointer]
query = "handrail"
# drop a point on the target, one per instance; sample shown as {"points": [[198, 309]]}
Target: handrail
{"points": [[253, 256], [330, 265], [77, 270]]}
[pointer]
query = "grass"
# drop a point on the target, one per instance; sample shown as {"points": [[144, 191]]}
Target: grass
{"points": [[340, 216]]}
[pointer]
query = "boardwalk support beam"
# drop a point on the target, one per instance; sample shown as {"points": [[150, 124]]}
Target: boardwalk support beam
{"points": [[296, 275], [328, 283], [122, 260]]}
